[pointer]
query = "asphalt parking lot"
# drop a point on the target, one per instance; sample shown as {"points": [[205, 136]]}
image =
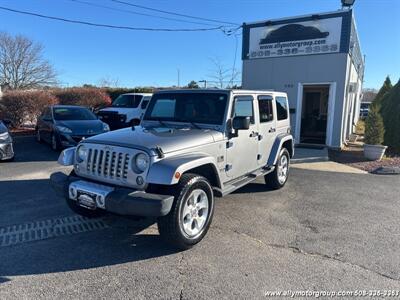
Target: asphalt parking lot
{"points": [[324, 231]]}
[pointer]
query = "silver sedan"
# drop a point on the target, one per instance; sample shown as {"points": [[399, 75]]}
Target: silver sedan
{"points": [[6, 143]]}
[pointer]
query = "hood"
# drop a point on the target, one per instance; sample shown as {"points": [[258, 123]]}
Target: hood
{"points": [[169, 139], [83, 127], [117, 109]]}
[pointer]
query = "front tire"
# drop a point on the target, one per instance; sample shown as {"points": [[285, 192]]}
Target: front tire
{"points": [[277, 179], [191, 214]]}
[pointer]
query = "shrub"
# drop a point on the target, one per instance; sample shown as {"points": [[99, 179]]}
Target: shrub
{"points": [[23, 106], [391, 117], [360, 127], [93, 98], [374, 130]]}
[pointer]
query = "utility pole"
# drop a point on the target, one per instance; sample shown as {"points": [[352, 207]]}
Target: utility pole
{"points": [[179, 79], [205, 83]]}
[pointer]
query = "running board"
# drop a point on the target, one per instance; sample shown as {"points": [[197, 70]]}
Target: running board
{"points": [[236, 184]]}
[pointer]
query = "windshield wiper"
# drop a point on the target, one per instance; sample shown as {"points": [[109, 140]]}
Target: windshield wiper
{"points": [[190, 122], [159, 120]]}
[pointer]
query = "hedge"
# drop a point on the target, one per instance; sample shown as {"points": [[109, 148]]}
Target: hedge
{"points": [[24, 106], [93, 98]]}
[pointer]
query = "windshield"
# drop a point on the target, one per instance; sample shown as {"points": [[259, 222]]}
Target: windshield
{"points": [[73, 113], [131, 101], [206, 108]]}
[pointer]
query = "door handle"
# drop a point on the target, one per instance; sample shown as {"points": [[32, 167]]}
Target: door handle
{"points": [[272, 129], [253, 134]]}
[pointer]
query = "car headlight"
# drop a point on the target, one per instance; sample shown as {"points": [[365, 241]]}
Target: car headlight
{"points": [[64, 129], [4, 137], [106, 127], [140, 163], [82, 153]]}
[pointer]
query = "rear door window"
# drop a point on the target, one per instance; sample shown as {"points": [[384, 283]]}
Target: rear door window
{"points": [[265, 109], [281, 108]]}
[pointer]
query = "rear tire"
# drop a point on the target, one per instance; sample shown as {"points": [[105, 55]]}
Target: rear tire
{"points": [[277, 179], [191, 214]]}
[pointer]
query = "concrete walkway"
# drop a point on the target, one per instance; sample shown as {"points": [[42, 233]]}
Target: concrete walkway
{"points": [[328, 166], [318, 160], [306, 155]]}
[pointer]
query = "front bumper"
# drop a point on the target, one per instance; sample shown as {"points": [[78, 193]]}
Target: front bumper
{"points": [[121, 201], [6, 151]]}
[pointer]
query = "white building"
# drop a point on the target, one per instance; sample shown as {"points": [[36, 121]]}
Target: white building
{"points": [[316, 59]]}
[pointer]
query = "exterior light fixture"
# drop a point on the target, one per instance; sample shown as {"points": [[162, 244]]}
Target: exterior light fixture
{"points": [[348, 3]]}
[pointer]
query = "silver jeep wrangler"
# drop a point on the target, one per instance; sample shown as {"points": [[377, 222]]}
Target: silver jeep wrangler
{"points": [[190, 146]]}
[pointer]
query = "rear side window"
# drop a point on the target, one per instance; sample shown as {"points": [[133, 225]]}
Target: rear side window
{"points": [[144, 104], [265, 109], [281, 108], [244, 107]]}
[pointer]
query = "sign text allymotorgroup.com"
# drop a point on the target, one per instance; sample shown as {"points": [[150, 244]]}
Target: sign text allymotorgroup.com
{"points": [[302, 38]]}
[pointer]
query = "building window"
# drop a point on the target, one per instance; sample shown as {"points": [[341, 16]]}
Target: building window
{"points": [[281, 108], [244, 107], [265, 109]]}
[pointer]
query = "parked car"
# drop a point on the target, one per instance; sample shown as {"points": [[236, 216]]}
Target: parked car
{"points": [[6, 142], [66, 125], [125, 111], [191, 145]]}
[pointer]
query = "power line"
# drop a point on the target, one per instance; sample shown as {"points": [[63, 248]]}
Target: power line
{"points": [[108, 25], [138, 13], [173, 13]]}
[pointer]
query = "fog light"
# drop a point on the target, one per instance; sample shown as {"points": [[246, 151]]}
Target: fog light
{"points": [[100, 202], [72, 193], [139, 180]]}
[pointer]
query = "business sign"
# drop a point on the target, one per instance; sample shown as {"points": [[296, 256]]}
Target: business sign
{"points": [[303, 38]]}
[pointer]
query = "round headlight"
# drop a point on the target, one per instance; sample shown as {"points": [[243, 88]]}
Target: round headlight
{"points": [[141, 162], [82, 153]]}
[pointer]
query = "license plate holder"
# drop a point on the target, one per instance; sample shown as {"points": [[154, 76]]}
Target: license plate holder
{"points": [[86, 200], [89, 195]]}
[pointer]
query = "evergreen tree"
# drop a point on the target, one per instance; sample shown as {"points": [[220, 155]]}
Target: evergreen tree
{"points": [[374, 130], [391, 117], [386, 87]]}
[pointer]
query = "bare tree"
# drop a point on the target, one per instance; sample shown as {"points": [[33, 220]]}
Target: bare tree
{"points": [[22, 65], [108, 82], [222, 75]]}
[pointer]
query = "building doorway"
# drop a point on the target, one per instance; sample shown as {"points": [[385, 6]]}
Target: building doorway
{"points": [[314, 115]]}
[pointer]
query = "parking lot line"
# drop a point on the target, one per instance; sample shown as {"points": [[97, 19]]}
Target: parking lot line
{"points": [[45, 229]]}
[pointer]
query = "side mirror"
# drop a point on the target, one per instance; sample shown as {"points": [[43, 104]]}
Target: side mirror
{"points": [[241, 123], [7, 122]]}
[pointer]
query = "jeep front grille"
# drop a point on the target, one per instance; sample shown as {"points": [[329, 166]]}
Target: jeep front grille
{"points": [[107, 163]]}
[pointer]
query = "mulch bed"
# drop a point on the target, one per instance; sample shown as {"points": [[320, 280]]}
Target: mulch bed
{"points": [[22, 131], [354, 157]]}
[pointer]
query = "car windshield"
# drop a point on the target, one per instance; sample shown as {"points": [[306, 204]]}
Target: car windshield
{"points": [[205, 108], [73, 113], [131, 101]]}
